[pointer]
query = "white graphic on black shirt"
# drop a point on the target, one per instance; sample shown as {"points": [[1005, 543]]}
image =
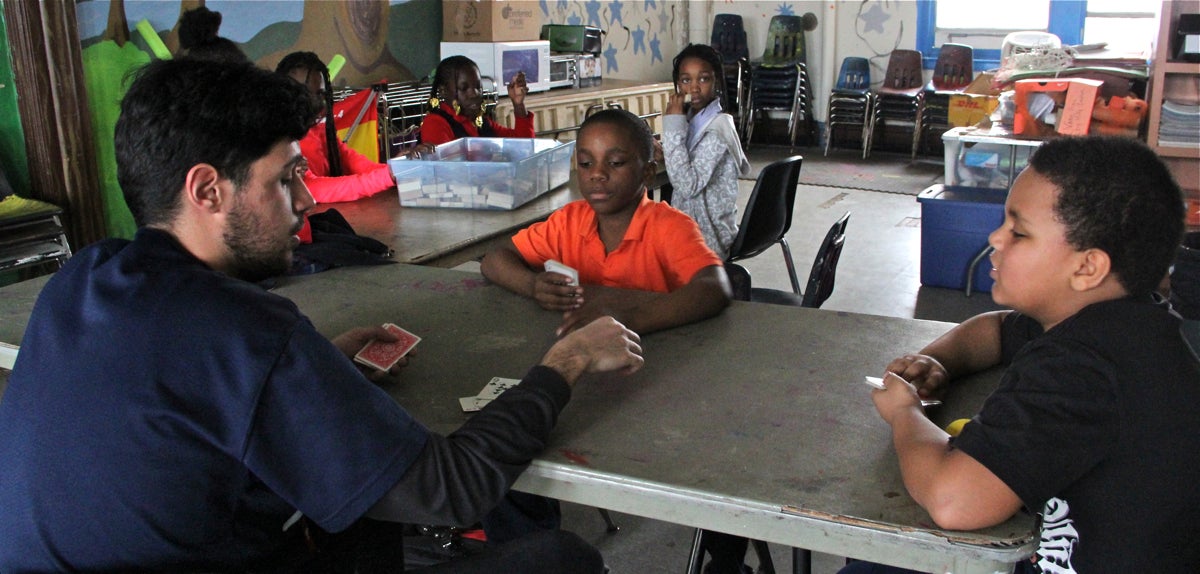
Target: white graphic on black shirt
{"points": [[1058, 538]]}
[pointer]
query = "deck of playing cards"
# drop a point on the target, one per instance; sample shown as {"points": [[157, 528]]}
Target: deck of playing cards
{"points": [[556, 267], [490, 391], [383, 355]]}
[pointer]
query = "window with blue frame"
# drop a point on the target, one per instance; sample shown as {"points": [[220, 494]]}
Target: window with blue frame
{"points": [[1127, 25]]}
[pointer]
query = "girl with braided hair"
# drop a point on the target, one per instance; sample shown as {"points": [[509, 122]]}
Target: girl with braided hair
{"points": [[456, 108], [335, 171]]}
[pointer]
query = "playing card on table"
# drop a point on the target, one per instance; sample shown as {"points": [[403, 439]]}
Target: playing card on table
{"points": [[496, 386], [383, 355], [490, 391], [473, 404], [556, 267]]}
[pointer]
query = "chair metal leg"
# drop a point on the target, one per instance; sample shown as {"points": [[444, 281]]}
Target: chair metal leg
{"points": [[801, 561], [975, 263], [697, 557], [917, 128], [609, 525], [765, 564], [791, 267]]}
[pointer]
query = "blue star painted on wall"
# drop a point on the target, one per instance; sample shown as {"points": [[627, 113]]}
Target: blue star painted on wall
{"points": [[545, 8], [574, 20], [785, 10], [610, 56], [655, 50], [649, 5], [614, 14], [563, 5], [663, 21], [593, 11], [639, 39], [874, 18]]}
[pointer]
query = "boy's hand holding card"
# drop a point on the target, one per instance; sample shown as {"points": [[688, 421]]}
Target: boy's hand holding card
{"points": [[383, 355], [556, 267]]}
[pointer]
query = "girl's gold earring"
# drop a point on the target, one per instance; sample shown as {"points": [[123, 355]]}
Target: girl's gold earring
{"points": [[434, 102], [457, 108], [479, 120]]}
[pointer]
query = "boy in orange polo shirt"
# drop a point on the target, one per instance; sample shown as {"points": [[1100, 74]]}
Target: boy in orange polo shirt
{"points": [[645, 263]]}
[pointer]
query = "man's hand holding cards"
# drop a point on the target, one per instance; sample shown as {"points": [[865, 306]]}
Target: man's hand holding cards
{"points": [[383, 355]]}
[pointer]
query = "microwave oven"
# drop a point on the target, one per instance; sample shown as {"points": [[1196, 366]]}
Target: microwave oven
{"points": [[500, 61]]}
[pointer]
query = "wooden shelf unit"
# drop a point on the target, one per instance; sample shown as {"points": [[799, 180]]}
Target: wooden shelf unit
{"points": [[1184, 161]]}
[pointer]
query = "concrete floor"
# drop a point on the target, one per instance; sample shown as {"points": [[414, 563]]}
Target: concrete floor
{"points": [[879, 274]]}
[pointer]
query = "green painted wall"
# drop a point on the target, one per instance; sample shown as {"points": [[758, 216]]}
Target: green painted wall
{"points": [[13, 158]]}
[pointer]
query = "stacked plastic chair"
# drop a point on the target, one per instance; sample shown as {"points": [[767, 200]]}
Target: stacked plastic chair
{"points": [[779, 81], [729, 40], [850, 103], [952, 73], [901, 97]]}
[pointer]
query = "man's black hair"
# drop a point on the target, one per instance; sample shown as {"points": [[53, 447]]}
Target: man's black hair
{"points": [[710, 55], [199, 37], [635, 128], [1115, 194], [183, 112], [312, 63]]}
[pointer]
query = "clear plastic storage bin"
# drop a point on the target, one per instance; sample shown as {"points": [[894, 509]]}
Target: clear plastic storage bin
{"points": [[982, 164], [483, 173]]}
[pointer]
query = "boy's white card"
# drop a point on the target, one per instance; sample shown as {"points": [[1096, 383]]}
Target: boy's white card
{"points": [[878, 383], [556, 267], [875, 382]]}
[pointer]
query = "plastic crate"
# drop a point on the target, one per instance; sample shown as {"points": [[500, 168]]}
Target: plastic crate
{"points": [[977, 164], [483, 173], [955, 224]]}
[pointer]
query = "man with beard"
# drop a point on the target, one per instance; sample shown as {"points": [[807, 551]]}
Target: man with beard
{"points": [[167, 413]]}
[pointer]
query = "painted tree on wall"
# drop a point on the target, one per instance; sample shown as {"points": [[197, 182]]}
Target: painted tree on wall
{"points": [[105, 66], [356, 30]]}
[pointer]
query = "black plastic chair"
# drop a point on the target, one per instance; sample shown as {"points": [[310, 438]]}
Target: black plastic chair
{"points": [[729, 40], [768, 215], [821, 278], [824, 270]]}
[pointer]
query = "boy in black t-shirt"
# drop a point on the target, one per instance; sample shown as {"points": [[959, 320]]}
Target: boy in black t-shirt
{"points": [[1096, 422]]}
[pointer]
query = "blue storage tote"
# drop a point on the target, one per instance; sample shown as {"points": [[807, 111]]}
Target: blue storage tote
{"points": [[955, 224]]}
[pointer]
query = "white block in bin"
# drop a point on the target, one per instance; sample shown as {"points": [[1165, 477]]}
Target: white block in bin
{"points": [[485, 173]]}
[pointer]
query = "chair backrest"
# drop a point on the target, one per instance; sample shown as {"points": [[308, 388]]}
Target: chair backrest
{"points": [[955, 67], [729, 38], [855, 74], [824, 269], [904, 70], [785, 41], [768, 214], [739, 280]]}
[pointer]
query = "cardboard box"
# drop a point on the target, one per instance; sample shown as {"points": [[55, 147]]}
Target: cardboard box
{"points": [[970, 109], [1073, 98], [490, 20]]}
